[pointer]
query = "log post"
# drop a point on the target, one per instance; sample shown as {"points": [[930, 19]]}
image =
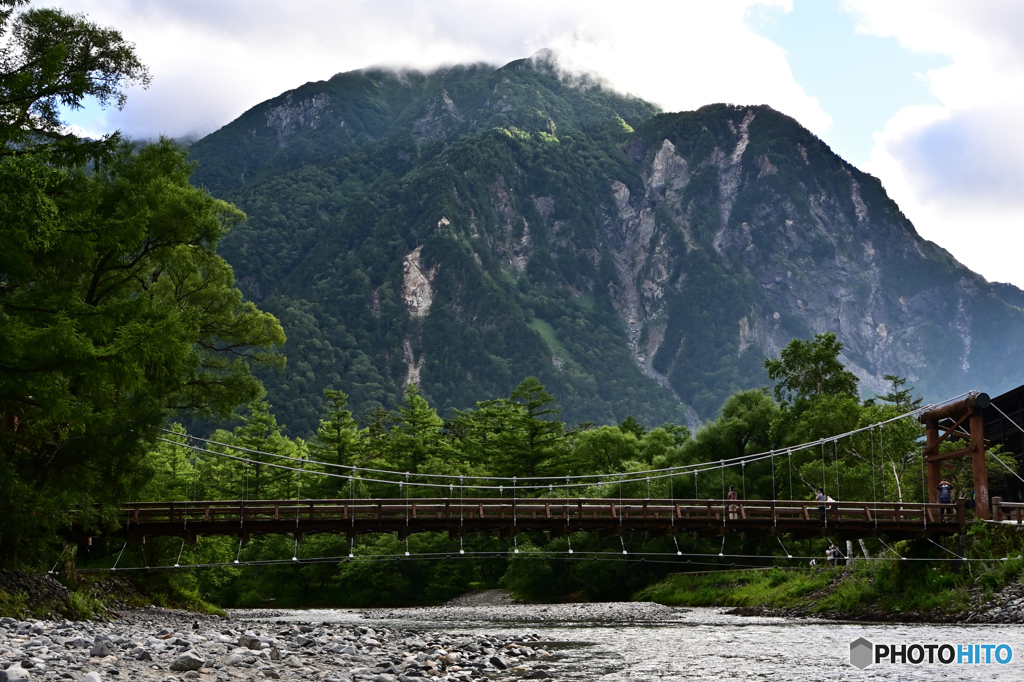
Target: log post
{"points": [[932, 447], [969, 409], [981, 507]]}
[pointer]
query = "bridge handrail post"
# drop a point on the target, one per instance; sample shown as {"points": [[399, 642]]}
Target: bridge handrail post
{"points": [[961, 512], [997, 509]]}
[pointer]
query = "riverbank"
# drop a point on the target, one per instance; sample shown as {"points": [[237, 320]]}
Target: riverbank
{"points": [[850, 594], [167, 645]]}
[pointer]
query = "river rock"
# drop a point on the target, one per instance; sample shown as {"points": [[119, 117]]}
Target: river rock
{"points": [[102, 648], [187, 661], [15, 672]]}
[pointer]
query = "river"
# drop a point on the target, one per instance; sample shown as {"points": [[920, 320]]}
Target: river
{"points": [[705, 644]]}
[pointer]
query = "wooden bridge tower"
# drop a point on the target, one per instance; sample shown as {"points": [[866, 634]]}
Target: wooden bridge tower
{"points": [[964, 414]]}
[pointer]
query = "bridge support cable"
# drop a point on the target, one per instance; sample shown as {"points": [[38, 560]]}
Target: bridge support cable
{"points": [[515, 510], [874, 490], [742, 475], [835, 451], [642, 557], [534, 483], [672, 496], [945, 550], [789, 457], [352, 469], [1020, 428], [118, 559], [891, 549], [881, 457]]}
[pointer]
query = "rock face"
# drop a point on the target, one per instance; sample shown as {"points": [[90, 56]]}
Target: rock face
{"points": [[465, 228], [750, 232]]}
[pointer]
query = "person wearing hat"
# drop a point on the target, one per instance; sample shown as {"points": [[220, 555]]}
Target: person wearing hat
{"points": [[945, 496], [732, 497]]}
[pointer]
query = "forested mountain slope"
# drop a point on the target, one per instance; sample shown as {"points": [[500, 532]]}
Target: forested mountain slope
{"points": [[468, 227]]}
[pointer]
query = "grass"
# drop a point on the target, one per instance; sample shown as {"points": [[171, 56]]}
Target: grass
{"points": [[776, 588], [547, 332]]}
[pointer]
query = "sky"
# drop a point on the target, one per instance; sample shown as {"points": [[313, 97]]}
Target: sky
{"points": [[925, 94]]}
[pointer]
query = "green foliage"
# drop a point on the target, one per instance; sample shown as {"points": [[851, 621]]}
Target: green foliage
{"points": [[51, 59], [114, 307], [806, 370]]}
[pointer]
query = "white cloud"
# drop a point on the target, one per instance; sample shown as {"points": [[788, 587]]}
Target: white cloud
{"points": [[956, 168], [213, 60]]}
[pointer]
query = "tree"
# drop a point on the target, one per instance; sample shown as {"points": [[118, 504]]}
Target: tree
{"points": [[805, 370], [537, 439], [603, 450], [261, 434], [115, 309], [631, 425], [337, 439], [416, 437], [50, 59], [899, 396]]}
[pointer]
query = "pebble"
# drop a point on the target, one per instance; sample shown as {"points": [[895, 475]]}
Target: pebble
{"points": [[173, 646]]}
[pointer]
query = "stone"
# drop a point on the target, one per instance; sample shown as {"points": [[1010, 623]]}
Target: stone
{"points": [[250, 642], [498, 663], [293, 661], [15, 672], [187, 661], [233, 660], [102, 648]]}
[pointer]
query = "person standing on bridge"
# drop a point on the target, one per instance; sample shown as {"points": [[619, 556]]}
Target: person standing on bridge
{"points": [[945, 497], [732, 497], [821, 498]]}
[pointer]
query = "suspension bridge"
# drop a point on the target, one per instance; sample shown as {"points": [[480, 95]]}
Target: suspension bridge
{"points": [[539, 504]]}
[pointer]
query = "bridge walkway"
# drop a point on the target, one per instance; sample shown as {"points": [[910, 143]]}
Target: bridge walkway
{"points": [[510, 516]]}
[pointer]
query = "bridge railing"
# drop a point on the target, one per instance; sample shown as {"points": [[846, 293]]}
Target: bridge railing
{"points": [[511, 510], [1007, 512]]}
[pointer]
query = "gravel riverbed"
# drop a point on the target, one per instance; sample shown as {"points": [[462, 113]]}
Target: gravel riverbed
{"points": [[603, 612], [171, 646]]}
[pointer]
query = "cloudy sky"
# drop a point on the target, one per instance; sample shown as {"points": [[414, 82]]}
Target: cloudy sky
{"points": [[925, 94]]}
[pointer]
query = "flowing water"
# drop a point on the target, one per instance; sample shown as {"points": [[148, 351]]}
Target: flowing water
{"points": [[705, 644]]}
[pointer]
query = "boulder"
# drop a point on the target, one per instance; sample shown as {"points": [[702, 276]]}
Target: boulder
{"points": [[189, 660], [15, 672], [102, 648]]}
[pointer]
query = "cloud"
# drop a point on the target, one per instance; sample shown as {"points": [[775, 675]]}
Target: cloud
{"points": [[213, 60], [956, 168]]}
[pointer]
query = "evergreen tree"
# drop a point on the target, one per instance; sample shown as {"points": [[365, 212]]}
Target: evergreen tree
{"points": [[416, 437], [337, 439]]}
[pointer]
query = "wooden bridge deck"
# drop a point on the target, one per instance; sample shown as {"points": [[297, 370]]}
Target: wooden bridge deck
{"points": [[509, 516]]}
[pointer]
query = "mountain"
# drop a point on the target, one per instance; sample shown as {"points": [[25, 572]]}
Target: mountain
{"points": [[470, 226]]}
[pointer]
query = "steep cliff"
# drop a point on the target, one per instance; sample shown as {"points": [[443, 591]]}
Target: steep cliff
{"points": [[464, 228]]}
